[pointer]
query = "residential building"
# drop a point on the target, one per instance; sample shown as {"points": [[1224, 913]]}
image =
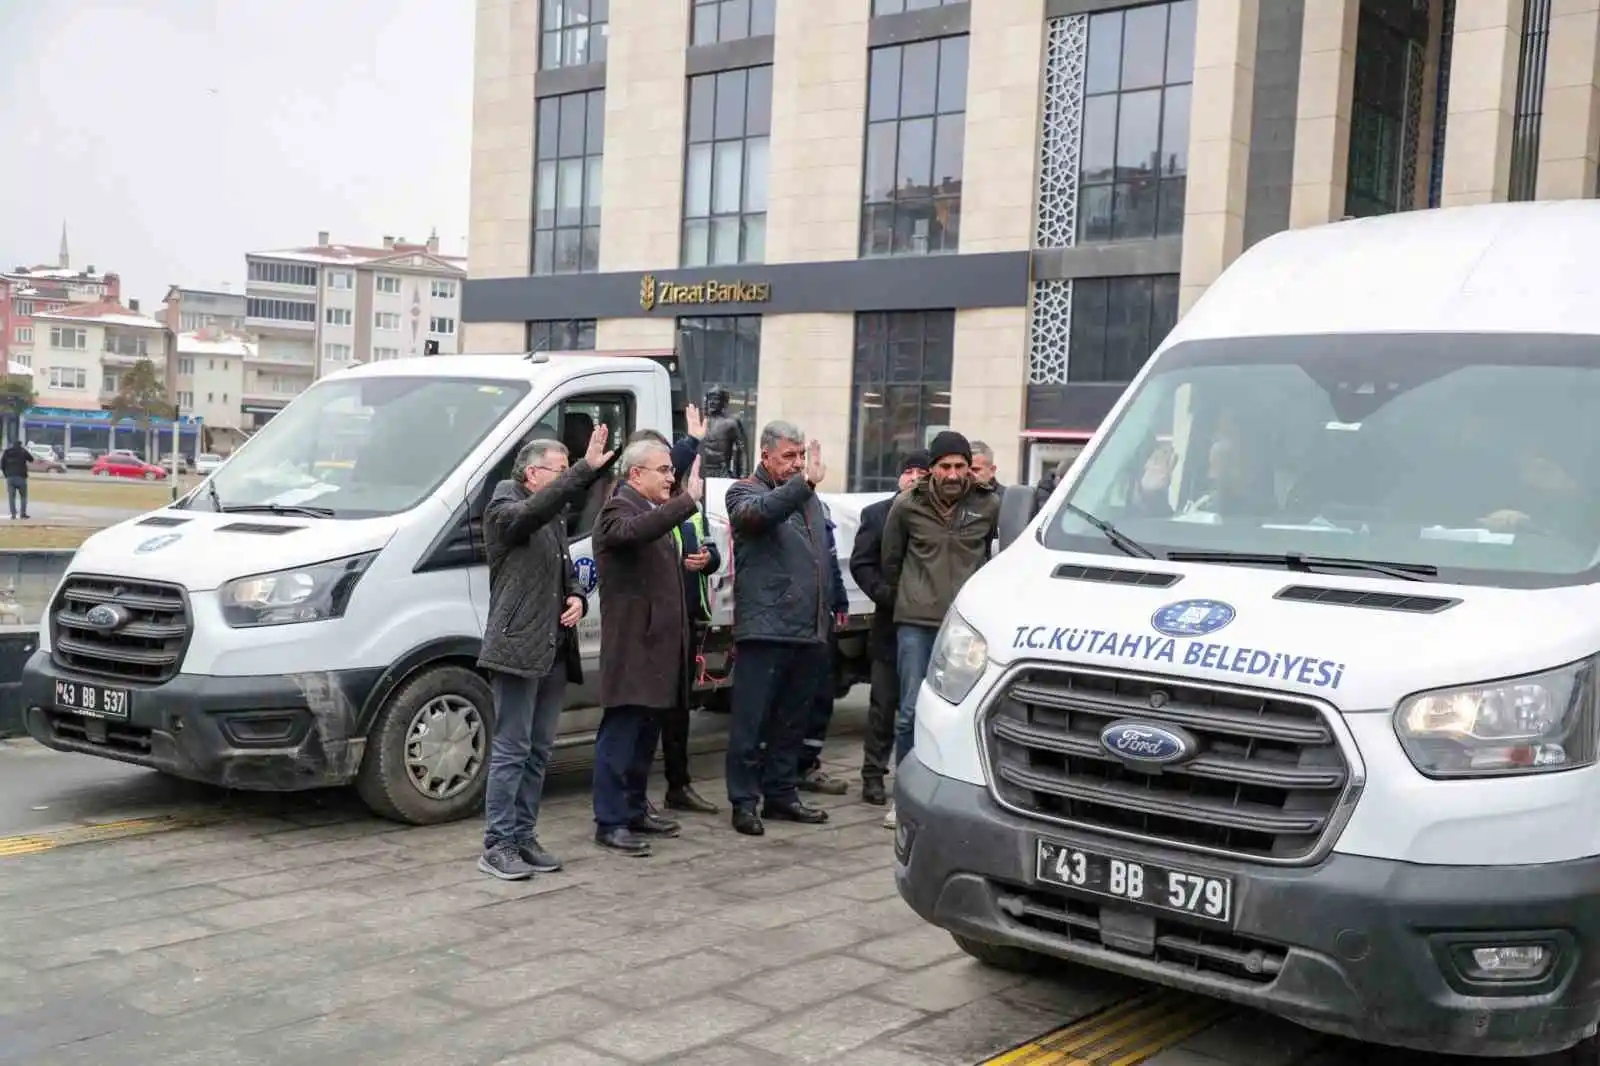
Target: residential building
{"points": [[325, 306], [880, 217], [192, 310], [26, 290], [208, 374]]}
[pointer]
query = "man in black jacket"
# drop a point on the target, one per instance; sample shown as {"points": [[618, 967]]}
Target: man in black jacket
{"points": [[535, 600], [866, 566], [780, 626], [14, 467]]}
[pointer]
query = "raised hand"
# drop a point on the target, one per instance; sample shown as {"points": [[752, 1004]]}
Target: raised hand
{"points": [[816, 470], [596, 455], [694, 422], [694, 485]]}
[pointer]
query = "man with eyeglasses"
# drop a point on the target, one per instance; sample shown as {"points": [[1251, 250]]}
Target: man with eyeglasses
{"points": [[535, 602]]}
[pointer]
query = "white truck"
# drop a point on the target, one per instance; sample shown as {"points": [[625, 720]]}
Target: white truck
{"points": [[310, 615], [1288, 695]]}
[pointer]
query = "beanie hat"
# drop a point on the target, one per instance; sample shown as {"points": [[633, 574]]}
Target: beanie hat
{"points": [[949, 442], [918, 460]]}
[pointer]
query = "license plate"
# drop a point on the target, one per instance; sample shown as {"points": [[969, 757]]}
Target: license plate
{"points": [[1193, 895], [94, 700]]}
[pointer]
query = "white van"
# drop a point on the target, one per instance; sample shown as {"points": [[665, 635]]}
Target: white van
{"points": [[1288, 695], [311, 614]]}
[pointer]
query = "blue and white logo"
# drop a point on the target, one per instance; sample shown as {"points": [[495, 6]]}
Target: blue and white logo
{"points": [[107, 616], [588, 577], [155, 544], [1192, 618], [1141, 742]]}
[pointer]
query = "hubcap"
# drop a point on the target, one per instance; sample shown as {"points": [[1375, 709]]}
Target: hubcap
{"points": [[445, 747]]}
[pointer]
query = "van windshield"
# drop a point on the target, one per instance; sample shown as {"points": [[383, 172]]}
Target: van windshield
{"points": [[1473, 454], [361, 447]]}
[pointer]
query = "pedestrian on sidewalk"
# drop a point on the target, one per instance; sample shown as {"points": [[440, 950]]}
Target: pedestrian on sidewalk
{"points": [[14, 468], [529, 645], [644, 641], [780, 589], [866, 566], [813, 778]]}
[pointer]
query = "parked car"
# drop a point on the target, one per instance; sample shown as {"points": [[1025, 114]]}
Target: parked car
{"points": [[41, 465], [207, 463], [185, 464], [126, 464], [79, 459]]}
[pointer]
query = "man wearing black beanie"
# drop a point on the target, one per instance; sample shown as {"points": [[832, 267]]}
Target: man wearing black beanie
{"points": [[936, 537]]}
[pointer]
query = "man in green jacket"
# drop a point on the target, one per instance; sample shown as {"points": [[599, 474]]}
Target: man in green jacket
{"points": [[936, 536]]}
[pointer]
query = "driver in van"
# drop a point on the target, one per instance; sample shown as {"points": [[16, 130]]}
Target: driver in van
{"points": [[1548, 499]]}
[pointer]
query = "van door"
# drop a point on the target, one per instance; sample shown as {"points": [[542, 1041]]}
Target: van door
{"points": [[613, 400]]}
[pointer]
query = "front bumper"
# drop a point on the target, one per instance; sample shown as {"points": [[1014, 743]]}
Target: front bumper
{"points": [[278, 733], [1354, 946]]}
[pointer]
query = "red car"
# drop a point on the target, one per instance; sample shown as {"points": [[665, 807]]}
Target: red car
{"points": [[123, 465]]}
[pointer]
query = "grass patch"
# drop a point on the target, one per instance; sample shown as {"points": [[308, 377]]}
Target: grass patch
{"points": [[103, 492], [14, 535]]}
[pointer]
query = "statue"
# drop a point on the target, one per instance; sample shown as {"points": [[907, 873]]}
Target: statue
{"points": [[723, 450]]}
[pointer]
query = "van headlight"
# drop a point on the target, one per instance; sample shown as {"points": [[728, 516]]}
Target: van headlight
{"points": [[1524, 725], [312, 593], [960, 656]]}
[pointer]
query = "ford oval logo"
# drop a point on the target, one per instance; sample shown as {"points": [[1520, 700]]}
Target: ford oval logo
{"points": [[155, 544], [105, 617], [1142, 742], [1192, 618]]}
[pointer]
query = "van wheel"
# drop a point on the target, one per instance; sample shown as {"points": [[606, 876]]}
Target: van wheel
{"points": [[427, 757], [1002, 957]]}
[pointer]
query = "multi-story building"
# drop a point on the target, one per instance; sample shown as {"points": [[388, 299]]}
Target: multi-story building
{"points": [[320, 308], [208, 373], [880, 217], [27, 290], [192, 310]]}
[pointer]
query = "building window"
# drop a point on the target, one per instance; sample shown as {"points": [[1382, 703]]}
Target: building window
{"points": [[388, 284], [443, 327], [916, 135], [185, 365], [381, 354], [336, 353], [1117, 323], [561, 335], [110, 382], [124, 345], [443, 289], [1134, 158], [69, 339], [574, 33], [23, 359], [386, 320], [339, 279], [566, 218], [732, 20], [1529, 113], [22, 308], [901, 392], [282, 310], [340, 316], [24, 334], [186, 401], [725, 351], [895, 7], [283, 274], [1386, 111], [725, 167], [69, 377]]}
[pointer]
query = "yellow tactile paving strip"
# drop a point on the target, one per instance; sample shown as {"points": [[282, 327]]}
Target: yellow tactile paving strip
{"points": [[49, 840], [1124, 1034]]}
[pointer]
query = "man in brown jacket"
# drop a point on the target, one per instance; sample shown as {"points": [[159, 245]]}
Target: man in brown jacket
{"points": [[644, 640]]}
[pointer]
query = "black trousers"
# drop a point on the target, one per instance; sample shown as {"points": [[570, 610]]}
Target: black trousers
{"points": [[819, 718], [883, 701], [774, 685], [675, 724]]}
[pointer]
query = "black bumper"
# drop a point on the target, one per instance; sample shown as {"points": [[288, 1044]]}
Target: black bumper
{"points": [[277, 733], [1353, 946]]}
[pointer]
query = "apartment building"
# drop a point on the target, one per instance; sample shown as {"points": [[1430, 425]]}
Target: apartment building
{"points": [[325, 306], [877, 218], [192, 310], [208, 375], [26, 290]]}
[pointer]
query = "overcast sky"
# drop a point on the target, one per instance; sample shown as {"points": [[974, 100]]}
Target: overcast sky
{"points": [[175, 135]]}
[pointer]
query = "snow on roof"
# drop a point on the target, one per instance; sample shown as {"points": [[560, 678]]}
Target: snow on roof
{"points": [[356, 255], [16, 369], [205, 343], [105, 313]]}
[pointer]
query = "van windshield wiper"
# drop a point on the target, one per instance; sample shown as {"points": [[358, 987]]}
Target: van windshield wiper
{"points": [[273, 508], [1123, 542], [1308, 563]]}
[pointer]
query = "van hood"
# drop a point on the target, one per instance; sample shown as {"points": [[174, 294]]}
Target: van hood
{"points": [[1235, 625], [202, 550]]}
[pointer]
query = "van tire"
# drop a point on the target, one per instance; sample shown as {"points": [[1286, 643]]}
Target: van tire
{"points": [[383, 783], [1004, 957]]}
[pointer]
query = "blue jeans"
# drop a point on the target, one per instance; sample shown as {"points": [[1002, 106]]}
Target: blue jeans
{"points": [[623, 751], [914, 645], [527, 713], [17, 487]]}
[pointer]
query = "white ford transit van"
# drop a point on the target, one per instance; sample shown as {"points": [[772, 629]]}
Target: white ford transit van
{"points": [[1288, 694]]}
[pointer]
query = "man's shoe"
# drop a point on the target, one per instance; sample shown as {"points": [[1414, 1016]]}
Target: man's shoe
{"points": [[654, 825], [794, 812], [534, 855], [746, 821], [620, 838], [873, 791], [687, 799], [889, 820], [505, 862], [819, 781]]}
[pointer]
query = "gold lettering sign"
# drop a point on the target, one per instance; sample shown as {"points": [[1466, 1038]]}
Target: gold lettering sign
{"points": [[653, 294]]}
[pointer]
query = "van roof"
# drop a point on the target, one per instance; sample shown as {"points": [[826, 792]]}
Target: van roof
{"points": [[1493, 268], [512, 367]]}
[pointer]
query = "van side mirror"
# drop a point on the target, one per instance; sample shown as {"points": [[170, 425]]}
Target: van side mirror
{"points": [[1016, 511]]}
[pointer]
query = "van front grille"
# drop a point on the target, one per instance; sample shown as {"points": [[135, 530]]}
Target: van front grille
{"points": [[145, 646]]}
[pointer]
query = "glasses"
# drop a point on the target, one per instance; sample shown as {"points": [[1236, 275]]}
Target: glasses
{"points": [[551, 469]]}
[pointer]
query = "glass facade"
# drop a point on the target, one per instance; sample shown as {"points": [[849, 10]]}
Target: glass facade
{"points": [[573, 33], [569, 152], [1529, 115], [561, 335], [1386, 110], [900, 393], [732, 20], [896, 7], [1117, 323], [725, 351], [916, 142], [725, 167], [1134, 158]]}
